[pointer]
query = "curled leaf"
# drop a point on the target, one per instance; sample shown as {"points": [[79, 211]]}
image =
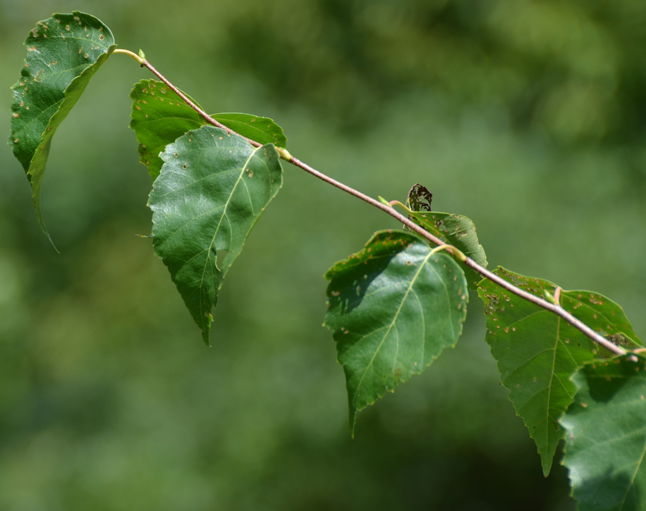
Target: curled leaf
{"points": [[63, 53]]}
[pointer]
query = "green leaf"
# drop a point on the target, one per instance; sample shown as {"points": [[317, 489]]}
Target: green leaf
{"points": [[538, 352], [63, 53], [606, 435], [260, 129], [211, 191], [604, 315], [458, 231], [393, 307], [159, 117]]}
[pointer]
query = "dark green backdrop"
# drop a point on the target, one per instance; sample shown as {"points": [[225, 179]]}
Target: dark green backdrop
{"points": [[527, 116]]}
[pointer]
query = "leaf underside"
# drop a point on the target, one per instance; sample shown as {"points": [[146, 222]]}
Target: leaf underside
{"points": [[211, 191], [160, 116], [393, 308], [63, 53], [456, 230], [538, 352], [606, 435]]}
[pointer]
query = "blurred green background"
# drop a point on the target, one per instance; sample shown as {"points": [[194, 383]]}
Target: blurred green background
{"points": [[527, 116]]}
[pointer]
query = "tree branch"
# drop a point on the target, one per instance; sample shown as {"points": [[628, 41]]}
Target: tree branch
{"points": [[556, 309]]}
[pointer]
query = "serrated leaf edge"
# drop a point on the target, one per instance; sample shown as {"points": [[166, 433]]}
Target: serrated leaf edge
{"points": [[354, 410]]}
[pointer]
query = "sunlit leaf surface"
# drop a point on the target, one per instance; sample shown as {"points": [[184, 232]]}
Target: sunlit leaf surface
{"points": [[212, 189], [393, 308], [538, 352]]}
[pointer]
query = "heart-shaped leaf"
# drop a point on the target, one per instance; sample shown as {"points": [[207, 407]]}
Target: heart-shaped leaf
{"points": [[538, 352], [211, 191], [606, 435], [393, 307], [63, 53]]}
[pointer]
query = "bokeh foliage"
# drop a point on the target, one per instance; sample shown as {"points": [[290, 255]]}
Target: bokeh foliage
{"points": [[528, 117]]}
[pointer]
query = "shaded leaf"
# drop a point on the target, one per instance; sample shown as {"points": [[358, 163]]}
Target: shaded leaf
{"points": [[458, 231], [538, 352], [260, 129], [63, 53], [393, 308], [606, 435], [159, 117], [211, 191]]}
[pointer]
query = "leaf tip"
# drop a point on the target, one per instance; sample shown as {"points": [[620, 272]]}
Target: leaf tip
{"points": [[546, 462], [352, 420], [41, 222]]}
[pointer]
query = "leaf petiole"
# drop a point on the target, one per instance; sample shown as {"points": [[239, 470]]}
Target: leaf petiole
{"points": [[139, 58], [394, 203], [452, 250]]}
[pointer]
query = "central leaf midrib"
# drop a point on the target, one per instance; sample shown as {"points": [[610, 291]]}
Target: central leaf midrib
{"points": [[383, 339], [632, 479], [549, 387], [217, 229]]}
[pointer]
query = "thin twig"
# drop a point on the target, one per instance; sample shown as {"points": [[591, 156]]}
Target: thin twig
{"points": [[556, 309], [190, 103]]}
